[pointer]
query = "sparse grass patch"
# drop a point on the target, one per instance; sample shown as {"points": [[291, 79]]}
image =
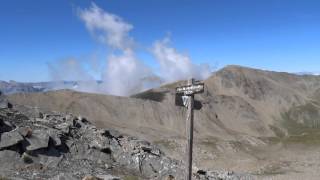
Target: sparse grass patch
{"points": [[3, 178], [166, 144], [210, 142], [26, 158], [270, 170], [274, 169], [131, 177], [277, 131]]}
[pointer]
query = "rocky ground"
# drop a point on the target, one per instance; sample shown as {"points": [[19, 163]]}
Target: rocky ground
{"points": [[37, 144]]}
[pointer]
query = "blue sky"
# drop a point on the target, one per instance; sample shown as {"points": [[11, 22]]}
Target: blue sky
{"points": [[281, 35]]}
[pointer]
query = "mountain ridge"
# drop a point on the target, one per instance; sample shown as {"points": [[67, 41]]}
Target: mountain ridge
{"points": [[251, 88], [246, 113]]}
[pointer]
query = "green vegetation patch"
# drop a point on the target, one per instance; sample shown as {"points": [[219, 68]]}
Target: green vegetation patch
{"points": [[302, 124], [171, 145], [302, 119], [131, 178]]}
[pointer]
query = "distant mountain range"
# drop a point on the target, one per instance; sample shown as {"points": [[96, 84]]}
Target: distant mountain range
{"points": [[13, 87], [309, 73], [97, 86]]}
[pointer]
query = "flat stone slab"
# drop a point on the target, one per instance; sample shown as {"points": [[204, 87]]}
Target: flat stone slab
{"points": [[10, 138], [39, 139], [8, 159]]}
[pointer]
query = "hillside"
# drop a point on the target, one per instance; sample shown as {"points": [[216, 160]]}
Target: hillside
{"points": [[38, 144], [236, 100], [246, 114]]}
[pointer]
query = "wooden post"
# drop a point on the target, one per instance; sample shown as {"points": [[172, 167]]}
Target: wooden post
{"points": [[189, 91], [189, 131]]}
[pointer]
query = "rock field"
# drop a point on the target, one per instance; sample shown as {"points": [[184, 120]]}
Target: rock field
{"points": [[38, 144]]}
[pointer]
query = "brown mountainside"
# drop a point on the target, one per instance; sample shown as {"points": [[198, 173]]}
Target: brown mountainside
{"points": [[237, 101], [267, 123]]}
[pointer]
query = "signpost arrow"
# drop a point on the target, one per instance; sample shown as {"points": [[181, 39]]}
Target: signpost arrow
{"points": [[189, 91]]}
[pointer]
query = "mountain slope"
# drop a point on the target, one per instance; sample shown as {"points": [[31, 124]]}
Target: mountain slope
{"points": [[246, 113], [237, 100]]}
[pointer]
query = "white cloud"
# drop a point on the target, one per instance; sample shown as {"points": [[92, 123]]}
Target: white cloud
{"points": [[177, 66], [107, 27], [124, 73]]}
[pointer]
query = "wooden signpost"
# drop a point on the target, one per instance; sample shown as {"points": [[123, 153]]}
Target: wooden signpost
{"points": [[187, 94]]}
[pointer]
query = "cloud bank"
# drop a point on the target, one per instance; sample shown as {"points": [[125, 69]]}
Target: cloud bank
{"points": [[125, 73]]}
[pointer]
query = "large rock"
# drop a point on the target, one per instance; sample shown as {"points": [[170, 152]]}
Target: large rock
{"points": [[8, 159], [39, 139], [49, 158], [10, 138]]}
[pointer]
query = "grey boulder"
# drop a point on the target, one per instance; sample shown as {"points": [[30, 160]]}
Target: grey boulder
{"points": [[10, 138], [39, 139], [8, 159]]}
